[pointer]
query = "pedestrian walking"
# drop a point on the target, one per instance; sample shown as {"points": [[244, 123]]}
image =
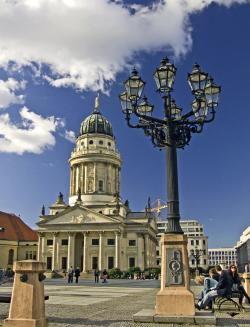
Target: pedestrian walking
{"points": [[70, 275], [96, 274], [77, 274], [105, 276]]}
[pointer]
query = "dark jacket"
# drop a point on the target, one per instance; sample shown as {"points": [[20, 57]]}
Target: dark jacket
{"points": [[77, 272], [224, 287]]}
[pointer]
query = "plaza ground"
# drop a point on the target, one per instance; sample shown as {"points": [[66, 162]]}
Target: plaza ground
{"points": [[112, 304]]}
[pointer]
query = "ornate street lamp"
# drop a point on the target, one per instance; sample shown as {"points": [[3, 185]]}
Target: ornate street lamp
{"points": [[172, 131], [197, 254]]}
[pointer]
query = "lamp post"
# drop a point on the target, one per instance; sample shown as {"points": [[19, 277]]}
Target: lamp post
{"points": [[196, 254], [172, 131]]}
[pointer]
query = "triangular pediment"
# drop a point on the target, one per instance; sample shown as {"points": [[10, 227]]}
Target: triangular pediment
{"points": [[78, 215]]}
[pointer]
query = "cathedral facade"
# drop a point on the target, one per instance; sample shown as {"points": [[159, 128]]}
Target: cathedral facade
{"points": [[96, 229]]}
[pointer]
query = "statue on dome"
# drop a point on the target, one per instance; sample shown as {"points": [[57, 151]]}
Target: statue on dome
{"points": [[97, 102]]}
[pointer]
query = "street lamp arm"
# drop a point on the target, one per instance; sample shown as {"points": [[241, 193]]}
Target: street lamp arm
{"points": [[212, 116], [132, 125], [150, 118], [187, 115]]}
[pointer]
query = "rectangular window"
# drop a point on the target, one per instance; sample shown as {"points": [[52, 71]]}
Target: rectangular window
{"points": [[192, 242], [193, 262], [94, 262], [64, 263], [100, 186], [49, 242], [110, 241], [157, 252], [197, 242], [95, 241], [49, 263], [204, 242], [205, 261], [30, 255], [110, 262], [131, 262], [65, 242], [132, 242]]}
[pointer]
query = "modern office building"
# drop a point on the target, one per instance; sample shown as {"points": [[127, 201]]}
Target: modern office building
{"points": [[197, 242], [222, 256], [243, 251]]}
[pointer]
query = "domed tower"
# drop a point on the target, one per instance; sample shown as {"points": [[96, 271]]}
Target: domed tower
{"points": [[95, 164]]}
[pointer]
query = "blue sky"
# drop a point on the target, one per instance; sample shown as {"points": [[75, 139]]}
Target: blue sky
{"points": [[53, 61]]}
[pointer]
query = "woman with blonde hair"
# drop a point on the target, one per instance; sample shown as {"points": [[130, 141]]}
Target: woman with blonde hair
{"points": [[209, 283]]}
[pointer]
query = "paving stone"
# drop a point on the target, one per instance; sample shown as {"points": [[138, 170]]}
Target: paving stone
{"points": [[174, 319], [108, 309], [144, 315]]}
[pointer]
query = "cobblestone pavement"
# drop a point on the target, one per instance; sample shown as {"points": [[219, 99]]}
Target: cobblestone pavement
{"points": [[110, 305]]}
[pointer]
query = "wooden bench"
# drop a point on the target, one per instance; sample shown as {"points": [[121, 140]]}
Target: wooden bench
{"points": [[221, 301], [6, 297]]}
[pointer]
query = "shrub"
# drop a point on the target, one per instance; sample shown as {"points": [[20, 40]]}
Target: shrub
{"points": [[115, 273]]}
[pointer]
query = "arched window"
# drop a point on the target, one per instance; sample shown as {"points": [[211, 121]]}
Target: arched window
{"points": [[100, 186], [11, 257]]}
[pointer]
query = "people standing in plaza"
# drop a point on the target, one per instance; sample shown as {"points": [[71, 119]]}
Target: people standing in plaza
{"points": [[96, 274], [77, 274], [70, 274], [105, 276], [223, 288], [237, 286]]}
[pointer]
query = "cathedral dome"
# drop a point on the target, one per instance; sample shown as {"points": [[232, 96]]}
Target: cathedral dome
{"points": [[96, 123]]}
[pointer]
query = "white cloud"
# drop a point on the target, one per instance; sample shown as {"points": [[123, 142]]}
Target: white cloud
{"points": [[70, 136], [34, 134], [86, 43], [8, 94]]}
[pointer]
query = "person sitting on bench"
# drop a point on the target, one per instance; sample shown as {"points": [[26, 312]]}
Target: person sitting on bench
{"points": [[237, 286], [223, 288]]}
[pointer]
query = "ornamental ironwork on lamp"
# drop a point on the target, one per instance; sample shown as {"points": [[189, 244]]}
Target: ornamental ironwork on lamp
{"points": [[203, 108]]}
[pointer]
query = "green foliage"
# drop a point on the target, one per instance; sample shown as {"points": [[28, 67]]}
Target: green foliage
{"points": [[152, 272], [115, 273]]}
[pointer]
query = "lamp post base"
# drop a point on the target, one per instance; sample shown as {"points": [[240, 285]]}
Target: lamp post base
{"points": [[175, 302], [175, 297]]}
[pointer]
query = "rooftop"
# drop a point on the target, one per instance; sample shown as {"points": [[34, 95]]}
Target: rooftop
{"points": [[12, 228]]}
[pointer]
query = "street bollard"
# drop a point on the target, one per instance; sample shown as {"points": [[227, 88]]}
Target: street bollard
{"points": [[27, 308], [246, 276]]}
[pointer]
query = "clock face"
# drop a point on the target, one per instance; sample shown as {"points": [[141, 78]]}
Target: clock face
{"points": [[174, 265]]}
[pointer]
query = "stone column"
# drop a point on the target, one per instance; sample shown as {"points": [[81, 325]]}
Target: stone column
{"points": [[39, 250], [77, 179], [54, 251], [140, 250], [27, 306], [71, 181], [43, 248], [58, 266], [85, 237], [95, 178], [100, 251], [82, 179], [85, 178], [116, 180], [146, 251], [71, 250], [246, 276], [116, 250]]}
